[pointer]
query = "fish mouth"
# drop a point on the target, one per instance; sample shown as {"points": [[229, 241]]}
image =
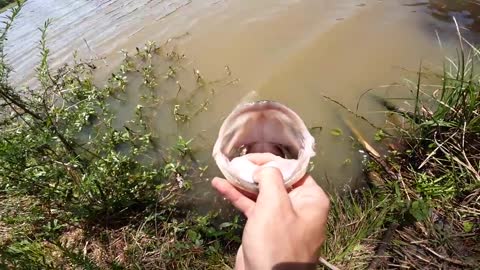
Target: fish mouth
{"points": [[263, 127]]}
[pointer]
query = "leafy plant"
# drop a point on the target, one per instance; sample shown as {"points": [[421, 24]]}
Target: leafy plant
{"points": [[63, 146]]}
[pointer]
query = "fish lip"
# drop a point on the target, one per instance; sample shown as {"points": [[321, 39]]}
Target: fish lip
{"points": [[260, 105], [304, 155]]}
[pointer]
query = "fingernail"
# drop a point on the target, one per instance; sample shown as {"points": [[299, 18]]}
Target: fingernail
{"points": [[256, 174], [215, 180]]}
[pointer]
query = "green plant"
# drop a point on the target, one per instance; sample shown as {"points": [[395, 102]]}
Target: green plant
{"points": [[80, 166], [434, 172], [354, 218]]}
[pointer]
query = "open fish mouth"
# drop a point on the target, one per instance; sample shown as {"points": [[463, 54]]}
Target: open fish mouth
{"points": [[266, 127]]}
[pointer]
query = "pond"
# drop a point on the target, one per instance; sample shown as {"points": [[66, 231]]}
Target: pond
{"points": [[294, 51]]}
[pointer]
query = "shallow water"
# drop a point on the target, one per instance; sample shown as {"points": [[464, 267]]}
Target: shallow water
{"points": [[293, 51]]}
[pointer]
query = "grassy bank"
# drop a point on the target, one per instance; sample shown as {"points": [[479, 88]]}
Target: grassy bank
{"points": [[81, 188], [422, 210]]}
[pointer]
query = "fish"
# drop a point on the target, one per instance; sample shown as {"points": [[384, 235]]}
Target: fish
{"points": [[266, 128]]}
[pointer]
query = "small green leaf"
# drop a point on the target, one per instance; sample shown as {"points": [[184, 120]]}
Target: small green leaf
{"points": [[192, 235], [467, 226], [419, 210], [379, 135], [358, 247], [336, 132]]}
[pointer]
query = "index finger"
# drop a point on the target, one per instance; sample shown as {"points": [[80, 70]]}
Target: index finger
{"points": [[239, 200]]}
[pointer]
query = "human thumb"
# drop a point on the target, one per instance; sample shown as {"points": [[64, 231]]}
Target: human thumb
{"points": [[271, 186]]}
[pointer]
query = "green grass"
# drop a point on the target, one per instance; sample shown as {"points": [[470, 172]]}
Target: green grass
{"points": [[355, 222], [425, 193], [432, 172]]}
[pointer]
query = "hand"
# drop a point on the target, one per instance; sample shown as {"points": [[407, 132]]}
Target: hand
{"points": [[282, 228]]}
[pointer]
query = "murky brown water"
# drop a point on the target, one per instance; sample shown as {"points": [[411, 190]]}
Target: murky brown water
{"points": [[291, 51]]}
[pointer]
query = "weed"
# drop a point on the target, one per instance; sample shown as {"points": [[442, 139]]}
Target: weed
{"points": [[434, 172], [81, 187]]}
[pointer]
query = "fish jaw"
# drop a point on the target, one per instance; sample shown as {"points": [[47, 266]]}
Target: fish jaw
{"points": [[263, 126]]}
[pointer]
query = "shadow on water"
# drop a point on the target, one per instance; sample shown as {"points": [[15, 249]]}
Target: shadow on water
{"points": [[467, 12]]}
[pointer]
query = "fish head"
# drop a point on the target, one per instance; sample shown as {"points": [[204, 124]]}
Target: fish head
{"points": [[260, 134]]}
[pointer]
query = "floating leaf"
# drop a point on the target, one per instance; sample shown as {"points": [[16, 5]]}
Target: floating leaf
{"points": [[336, 132], [379, 135]]}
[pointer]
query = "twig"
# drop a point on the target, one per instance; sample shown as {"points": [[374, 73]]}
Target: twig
{"points": [[397, 266], [399, 177], [327, 264], [445, 258], [361, 140], [422, 259], [88, 46], [350, 111], [360, 98], [374, 154], [387, 238], [468, 167], [465, 155], [436, 149]]}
